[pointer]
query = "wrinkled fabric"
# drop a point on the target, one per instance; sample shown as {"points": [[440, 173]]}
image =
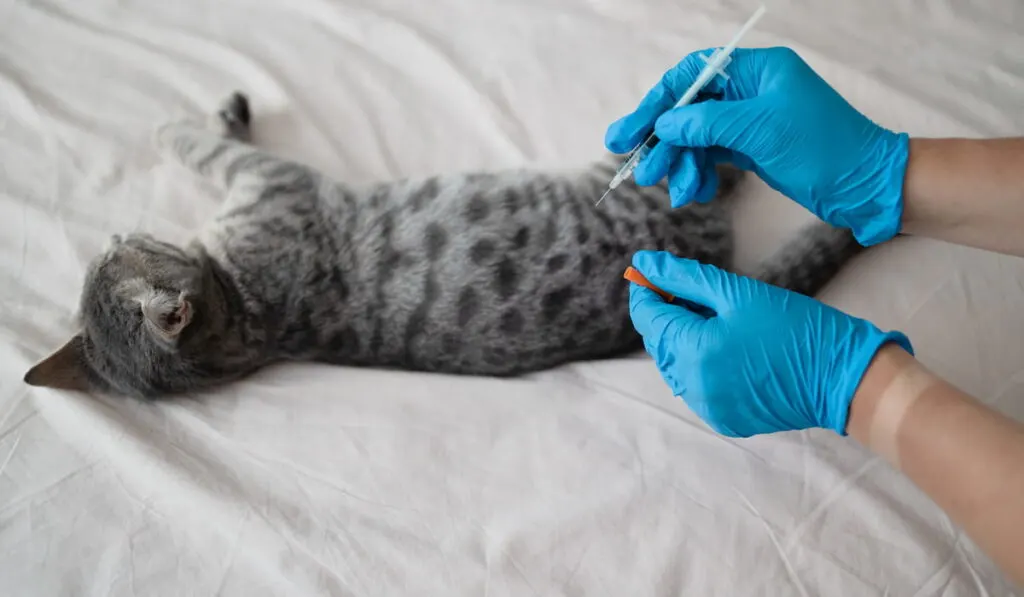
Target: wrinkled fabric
{"points": [[587, 480]]}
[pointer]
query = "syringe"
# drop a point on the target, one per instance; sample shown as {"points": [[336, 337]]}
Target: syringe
{"points": [[714, 65]]}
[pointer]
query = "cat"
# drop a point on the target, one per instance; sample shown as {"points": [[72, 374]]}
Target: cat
{"points": [[493, 274]]}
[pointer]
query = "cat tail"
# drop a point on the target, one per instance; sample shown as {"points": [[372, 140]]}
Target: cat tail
{"points": [[811, 259]]}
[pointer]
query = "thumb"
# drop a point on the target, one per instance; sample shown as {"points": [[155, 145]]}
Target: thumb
{"points": [[656, 321], [727, 124], [705, 285]]}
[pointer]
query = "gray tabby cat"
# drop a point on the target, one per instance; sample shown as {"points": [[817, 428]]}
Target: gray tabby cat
{"points": [[485, 274]]}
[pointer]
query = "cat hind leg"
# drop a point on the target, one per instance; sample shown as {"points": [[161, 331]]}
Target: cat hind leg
{"points": [[233, 118], [219, 149], [221, 152]]}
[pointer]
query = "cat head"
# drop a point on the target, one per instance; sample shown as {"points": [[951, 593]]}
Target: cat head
{"points": [[143, 309]]}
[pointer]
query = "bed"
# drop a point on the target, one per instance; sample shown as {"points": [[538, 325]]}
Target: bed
{"points": [[590, 479]]}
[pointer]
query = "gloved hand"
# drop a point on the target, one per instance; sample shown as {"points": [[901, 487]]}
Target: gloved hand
{"points": [[768, 360], [776, 117]]}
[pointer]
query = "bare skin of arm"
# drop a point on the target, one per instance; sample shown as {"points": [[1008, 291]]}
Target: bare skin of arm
{"points": [[966, 191], [967, 457]]}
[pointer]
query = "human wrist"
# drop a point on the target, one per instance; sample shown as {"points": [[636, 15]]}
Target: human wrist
{"points": [[885, 366], [936, 168], [924, 156], [858, 351], [891, 384]]}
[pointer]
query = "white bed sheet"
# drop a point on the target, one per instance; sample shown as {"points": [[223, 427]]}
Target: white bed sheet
{"points": [[587, 480]]}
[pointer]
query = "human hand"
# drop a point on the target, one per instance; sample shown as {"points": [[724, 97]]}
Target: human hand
{"points": [[767, 360], [776, 117]]}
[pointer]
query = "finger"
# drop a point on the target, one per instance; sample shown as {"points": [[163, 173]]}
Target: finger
{"points": [[687, 279], [655, 165], [665, 360], [703, 176], [709, 182], [625, 133], [726, 124], [684, 177], [660, 322]]}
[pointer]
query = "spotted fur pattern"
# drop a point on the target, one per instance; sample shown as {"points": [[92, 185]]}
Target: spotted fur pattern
{"points": [[487, 274]]}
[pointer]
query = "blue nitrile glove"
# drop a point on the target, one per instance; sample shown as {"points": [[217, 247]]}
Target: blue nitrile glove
{"points": [[777, 117], [768, 360]]}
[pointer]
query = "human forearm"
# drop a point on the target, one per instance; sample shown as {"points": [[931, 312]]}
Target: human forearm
{"points": [[967, 458], [966, 191]]}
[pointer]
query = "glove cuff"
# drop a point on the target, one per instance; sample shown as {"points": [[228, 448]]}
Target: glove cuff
{"points": [[880, 216], [864, 353]]}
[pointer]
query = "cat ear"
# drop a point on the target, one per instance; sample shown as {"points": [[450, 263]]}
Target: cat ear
{"points": [[167, 315], [64, 369]]}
